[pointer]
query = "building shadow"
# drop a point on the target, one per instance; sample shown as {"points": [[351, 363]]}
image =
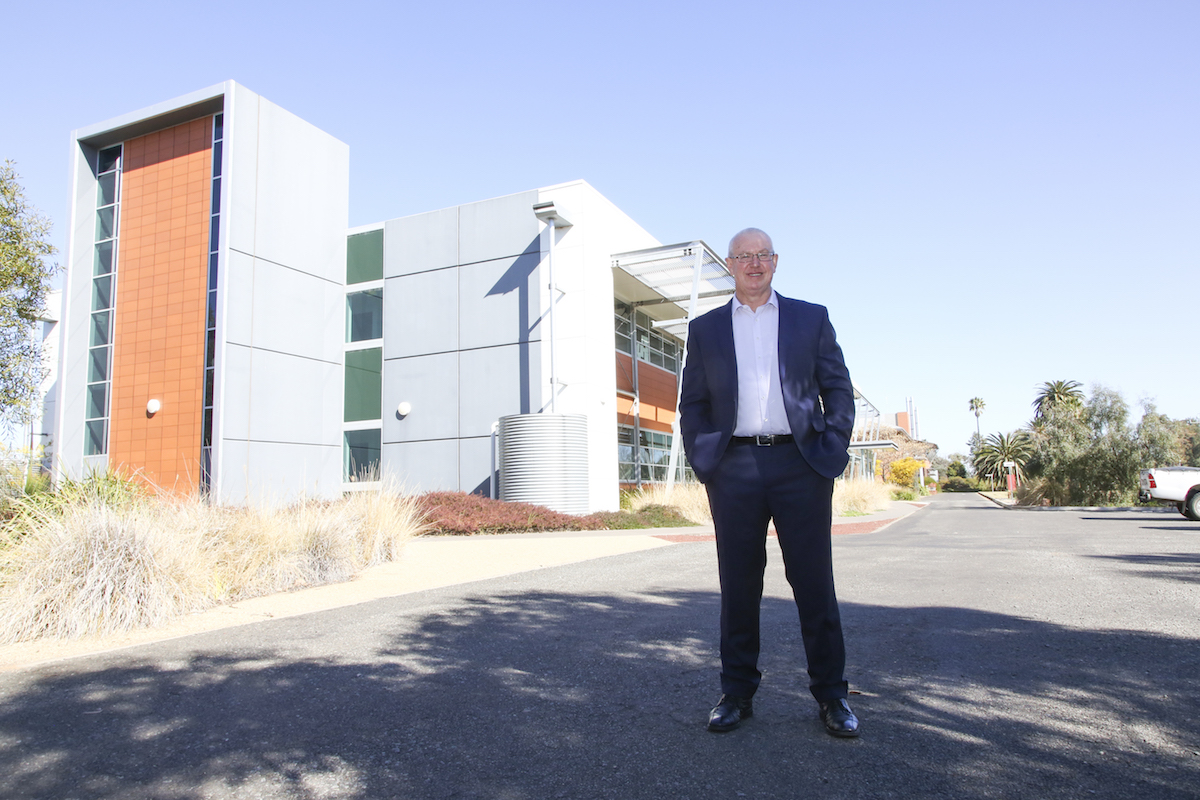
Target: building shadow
{"points": [[577, 694], [517, 279]]}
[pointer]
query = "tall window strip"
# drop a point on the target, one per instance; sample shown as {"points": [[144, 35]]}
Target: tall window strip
{"points": [[362, 431], [104, 285], [210, 324]]}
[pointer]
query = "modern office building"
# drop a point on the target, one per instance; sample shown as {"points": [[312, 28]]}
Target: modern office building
{"points": [[202, 313], [223, 331]]}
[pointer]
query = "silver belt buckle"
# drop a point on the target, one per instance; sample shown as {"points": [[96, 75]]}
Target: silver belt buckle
{"points": [[764, 439]]}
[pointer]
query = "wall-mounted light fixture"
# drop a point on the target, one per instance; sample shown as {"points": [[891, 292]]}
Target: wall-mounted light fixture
{"points": [[153, 407], [404, 409]]}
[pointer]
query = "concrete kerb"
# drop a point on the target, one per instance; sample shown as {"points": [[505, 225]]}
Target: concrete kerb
{"points": [[1011, 505]]}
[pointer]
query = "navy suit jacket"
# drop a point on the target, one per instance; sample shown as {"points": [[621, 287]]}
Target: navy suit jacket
{"points": [[817, 393]]}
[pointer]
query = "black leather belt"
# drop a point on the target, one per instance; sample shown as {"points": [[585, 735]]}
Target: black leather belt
{"points": [[763, 439]]}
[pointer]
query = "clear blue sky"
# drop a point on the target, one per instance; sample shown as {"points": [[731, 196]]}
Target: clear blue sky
{"points": [[986, 195]]}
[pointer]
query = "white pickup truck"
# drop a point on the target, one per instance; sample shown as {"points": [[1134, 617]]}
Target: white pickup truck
{"points": [[1178, 484]]}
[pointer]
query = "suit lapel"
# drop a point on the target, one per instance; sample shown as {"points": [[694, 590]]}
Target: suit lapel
{"points": [[787, 341]]}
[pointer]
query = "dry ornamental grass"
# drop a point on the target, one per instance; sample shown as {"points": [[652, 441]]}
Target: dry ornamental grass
{"points": [[689, 499], [91, 564], [859, 496]]}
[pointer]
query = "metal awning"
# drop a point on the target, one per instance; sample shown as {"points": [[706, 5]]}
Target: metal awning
{"points": [[885, 444], [659, 281], [866, 425]]}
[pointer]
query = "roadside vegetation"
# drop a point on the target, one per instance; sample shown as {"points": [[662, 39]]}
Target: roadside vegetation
{"points": [[1080, 449]]}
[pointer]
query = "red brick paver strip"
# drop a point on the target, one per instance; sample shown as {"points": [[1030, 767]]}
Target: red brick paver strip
{"points": [[868, 526]]}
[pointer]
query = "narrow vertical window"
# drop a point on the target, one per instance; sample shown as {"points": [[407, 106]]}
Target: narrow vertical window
{"points": [[362, 432], [98, 396], [210, 316]]}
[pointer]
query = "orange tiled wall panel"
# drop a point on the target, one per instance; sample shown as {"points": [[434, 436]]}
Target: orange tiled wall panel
{"points": [[162, 273], [657, 390]]}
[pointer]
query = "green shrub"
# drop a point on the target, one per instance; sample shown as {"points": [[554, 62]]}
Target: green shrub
{"points": [[904, 471], [959, 485], [899, 493], [651, 516]]}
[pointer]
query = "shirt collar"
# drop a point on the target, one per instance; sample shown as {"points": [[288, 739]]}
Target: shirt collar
{"points": [[771, 301]]}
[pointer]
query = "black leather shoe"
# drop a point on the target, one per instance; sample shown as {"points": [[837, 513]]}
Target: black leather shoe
{"points": [[839, 719], [729, 713]]}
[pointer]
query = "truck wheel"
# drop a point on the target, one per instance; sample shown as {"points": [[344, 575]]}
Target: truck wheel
{"points": [[1191, 506]]}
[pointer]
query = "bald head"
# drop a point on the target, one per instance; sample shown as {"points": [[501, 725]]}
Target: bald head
{"points": [[752, 262], [744, 234]]}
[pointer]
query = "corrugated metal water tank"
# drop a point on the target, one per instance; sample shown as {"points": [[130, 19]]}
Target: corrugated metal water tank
{"points": [[544, 460]]}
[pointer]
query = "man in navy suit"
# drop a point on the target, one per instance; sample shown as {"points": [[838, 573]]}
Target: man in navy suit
{"points": [[766, 413]]}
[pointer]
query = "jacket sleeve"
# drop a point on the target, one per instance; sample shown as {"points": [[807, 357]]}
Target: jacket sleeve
{"points": [[836, 388], [700, 436]]}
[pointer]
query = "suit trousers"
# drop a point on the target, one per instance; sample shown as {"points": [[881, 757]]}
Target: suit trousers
{"points": [[753, 485]]}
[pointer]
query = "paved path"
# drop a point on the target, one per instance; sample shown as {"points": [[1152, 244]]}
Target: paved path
{"points": [[996, 653]]}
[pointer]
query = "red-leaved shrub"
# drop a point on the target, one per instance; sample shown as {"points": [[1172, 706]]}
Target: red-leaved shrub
{"points": [[462, 513]]}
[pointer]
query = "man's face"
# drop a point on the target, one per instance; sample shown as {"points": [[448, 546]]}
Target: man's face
{"points": [[751, 277]]}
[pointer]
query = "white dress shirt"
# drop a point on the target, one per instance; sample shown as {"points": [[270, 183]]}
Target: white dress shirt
{"points": [[756, 345]]}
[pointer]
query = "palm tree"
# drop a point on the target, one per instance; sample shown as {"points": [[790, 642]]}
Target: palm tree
{"points": [[976, 406], [1057, 395], [999, 448]]}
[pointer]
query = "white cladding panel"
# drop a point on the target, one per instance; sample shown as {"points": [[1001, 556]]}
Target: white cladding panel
{"points": [[430, 385], [275, 473], [420, 313], [421, 242], [422, 466], [281, 320], [297, 313]]}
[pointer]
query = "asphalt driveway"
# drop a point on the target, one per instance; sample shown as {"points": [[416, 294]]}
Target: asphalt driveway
{"points": [[996, 653]]}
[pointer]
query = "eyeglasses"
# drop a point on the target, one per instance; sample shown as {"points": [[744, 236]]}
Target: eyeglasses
{"points": [[748, 258]]}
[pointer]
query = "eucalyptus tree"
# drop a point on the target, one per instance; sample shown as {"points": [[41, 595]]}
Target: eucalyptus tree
{"points": [[24, 281]]}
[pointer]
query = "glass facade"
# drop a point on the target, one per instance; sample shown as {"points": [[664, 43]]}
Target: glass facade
{"points": [[104, 283], [661, 350], [653, 455]]}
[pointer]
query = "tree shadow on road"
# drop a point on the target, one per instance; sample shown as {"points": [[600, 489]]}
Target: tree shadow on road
{"points": [[1170, 566], [588, 694]]}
